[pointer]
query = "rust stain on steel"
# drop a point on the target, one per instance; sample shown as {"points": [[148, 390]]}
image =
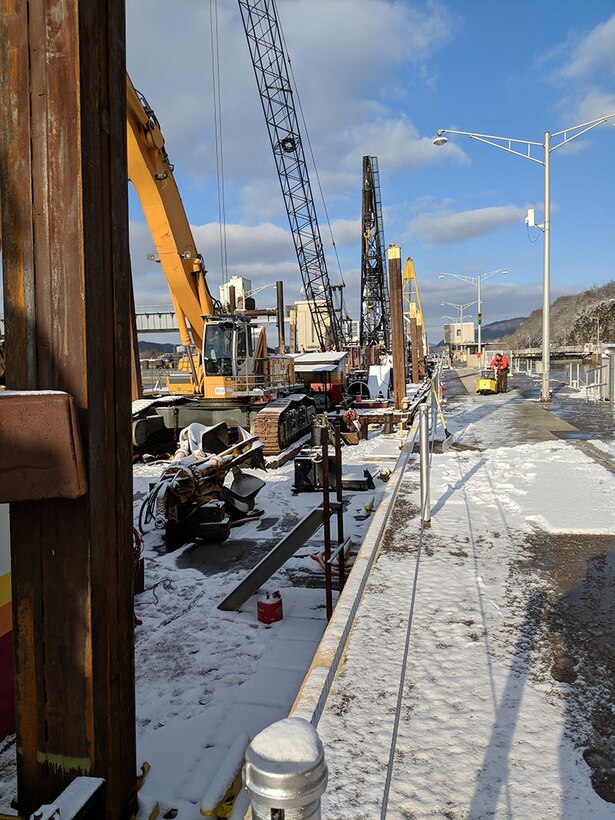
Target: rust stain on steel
{"points": [[26, 689], [64, 203], [15, 178]]}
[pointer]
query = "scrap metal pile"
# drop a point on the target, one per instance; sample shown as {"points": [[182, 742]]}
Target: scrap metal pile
{"points": [[203, 492]]}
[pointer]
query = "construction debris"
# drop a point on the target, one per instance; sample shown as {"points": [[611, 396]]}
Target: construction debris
{"points": [[203, 492]]}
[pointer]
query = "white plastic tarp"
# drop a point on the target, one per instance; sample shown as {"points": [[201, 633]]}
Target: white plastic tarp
{"points": [[379, 380]]}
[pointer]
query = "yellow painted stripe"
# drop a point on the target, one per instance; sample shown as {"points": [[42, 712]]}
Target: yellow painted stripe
{"points": [[6, 619], [64, 763], [5, 589]]}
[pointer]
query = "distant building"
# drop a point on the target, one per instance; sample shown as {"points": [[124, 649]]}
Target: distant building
{"points": [[307, 335], [241, 285], [457, 334]]}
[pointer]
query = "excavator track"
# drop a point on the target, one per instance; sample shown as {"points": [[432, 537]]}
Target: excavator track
{"points": [[283, 421]]}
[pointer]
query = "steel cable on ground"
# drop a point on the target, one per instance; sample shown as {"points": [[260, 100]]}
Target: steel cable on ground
{"points": [[404, 665]]}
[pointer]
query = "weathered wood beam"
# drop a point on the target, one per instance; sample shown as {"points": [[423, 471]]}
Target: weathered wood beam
{"points": [[63, 189], [398, 336]]}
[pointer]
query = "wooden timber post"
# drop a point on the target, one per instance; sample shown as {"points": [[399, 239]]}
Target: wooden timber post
{"points": [[63, 186], [398, 337], [279, 289]]}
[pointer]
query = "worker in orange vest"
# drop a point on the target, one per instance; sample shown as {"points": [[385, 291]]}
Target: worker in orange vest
{"points": [[499, 365]]}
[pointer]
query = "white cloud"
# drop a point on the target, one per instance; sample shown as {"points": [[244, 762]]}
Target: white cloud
{"points": [[591, 54], [262, 253], [343, 41], [398, 146], [441, 228], [584, 68], [347, 232], [590, 104]]}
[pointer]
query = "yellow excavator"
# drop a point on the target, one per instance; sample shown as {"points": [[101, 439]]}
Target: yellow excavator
{"points": [[226, 374]]}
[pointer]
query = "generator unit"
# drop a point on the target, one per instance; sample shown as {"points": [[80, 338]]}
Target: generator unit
{"points": [[308, 470]]}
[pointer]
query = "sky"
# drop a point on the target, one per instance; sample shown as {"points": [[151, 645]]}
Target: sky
{"points": [[379, 77]]}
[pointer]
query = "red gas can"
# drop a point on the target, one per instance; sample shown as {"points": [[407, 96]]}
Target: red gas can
{"points": [[269, 608]]}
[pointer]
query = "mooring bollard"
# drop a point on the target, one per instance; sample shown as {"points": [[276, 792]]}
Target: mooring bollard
{"points": [[285, 772], [424, 460]]}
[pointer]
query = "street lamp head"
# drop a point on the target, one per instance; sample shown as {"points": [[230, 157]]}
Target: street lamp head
{"points": [[440, 139]]}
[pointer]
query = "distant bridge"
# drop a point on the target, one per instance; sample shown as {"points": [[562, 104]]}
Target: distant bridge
{"points": [[150, 319], [560, 353], [156, 319]]}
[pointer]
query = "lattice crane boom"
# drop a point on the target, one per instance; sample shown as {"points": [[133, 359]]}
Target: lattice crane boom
{"points": [[260, 21], [375, 330]]}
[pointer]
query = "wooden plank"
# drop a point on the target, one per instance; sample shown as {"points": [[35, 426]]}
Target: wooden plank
{"points": [[67, 307]]}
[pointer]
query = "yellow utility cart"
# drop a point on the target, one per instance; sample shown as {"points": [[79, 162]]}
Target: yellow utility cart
{"points": [[487, 383]]}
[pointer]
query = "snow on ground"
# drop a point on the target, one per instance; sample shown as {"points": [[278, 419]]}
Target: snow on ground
{"points": [[205, 676], [485, 729], [486, 726]]}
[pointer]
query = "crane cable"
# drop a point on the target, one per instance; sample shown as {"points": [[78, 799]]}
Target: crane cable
{"points": [[217, 113], [311, 152]]}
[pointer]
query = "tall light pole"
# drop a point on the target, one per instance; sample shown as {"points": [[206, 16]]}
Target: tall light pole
{"points": [[506, 144], [460, 308], [476, 280]]}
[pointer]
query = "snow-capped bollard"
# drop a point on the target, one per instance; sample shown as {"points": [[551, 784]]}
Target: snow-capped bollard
{"points": [[285, 769]]}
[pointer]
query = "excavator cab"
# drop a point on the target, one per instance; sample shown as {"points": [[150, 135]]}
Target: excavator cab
{"points": [[228, 354], [218, 347]]}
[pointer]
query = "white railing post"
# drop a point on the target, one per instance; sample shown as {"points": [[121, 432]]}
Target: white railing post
{"points": [[424, 461]]}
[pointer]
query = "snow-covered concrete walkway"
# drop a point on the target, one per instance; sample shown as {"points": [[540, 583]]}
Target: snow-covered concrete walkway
{"points": [[449, 704]]}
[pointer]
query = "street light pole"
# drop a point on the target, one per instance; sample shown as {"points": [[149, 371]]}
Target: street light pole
{"points": [[460, 308], [475, 280], [459, 318], [506, 144], [545, 392], [480, 324]]}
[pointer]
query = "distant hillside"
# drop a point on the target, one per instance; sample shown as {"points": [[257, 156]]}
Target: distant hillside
{"points": [[152, 350], [495, 331], [573, 320]]}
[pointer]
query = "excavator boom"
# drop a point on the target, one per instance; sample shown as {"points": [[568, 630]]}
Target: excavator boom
{"points": [[230, 373], [151, 173]]}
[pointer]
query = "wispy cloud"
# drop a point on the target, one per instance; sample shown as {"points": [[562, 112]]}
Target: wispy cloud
{"points": [[583, 68], [438, 228], [593, 53], [340, 40], [398, 146]]}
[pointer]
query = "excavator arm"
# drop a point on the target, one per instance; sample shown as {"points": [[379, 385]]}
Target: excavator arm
{"points": [[227, 367], [151, 174]]}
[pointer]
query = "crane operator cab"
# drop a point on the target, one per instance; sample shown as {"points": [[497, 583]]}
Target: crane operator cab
{"points": [[228, 356]]}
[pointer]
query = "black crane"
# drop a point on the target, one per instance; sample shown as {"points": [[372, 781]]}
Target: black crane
{"points": [[375, 304], [260, 21]]}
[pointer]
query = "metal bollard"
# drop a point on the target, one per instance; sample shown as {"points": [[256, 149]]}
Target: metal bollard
{"points": [[285, 772], [424, 461]]}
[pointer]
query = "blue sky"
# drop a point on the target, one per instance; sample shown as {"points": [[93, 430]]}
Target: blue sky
{"points": [[378, 77]]}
